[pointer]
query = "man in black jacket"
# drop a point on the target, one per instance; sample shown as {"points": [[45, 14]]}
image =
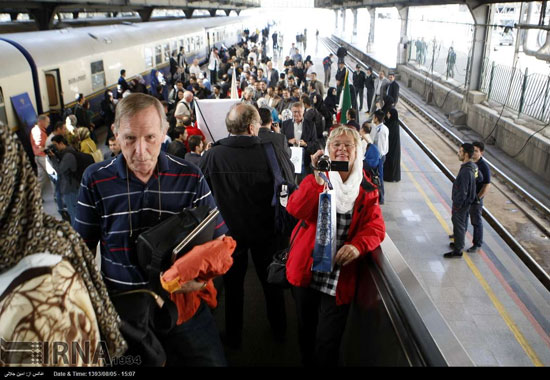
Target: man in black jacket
{"points": [[359, 84], [463, 195], [369, 84], [393, 88], [238, 173]]}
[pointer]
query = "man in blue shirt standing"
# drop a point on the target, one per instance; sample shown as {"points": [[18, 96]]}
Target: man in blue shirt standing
{"points": [[136, 190], [463, 195], [483, 183]]}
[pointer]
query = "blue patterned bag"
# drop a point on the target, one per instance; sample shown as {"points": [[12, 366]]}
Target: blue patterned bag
{"points": [[325, 236]]}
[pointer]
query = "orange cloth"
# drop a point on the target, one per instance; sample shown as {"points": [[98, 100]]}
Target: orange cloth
{"points": [[203, 262]]}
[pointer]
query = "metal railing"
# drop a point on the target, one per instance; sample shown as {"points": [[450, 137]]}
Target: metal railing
{"points": [[520, 91]]}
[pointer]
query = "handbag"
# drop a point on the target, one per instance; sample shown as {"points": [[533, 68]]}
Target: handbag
{"points": [[276, 270], [147, 312]]}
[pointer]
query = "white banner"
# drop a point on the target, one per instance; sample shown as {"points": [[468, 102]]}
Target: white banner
{"points": [[211, 115]]}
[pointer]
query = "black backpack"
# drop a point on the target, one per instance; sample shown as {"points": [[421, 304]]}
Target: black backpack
{"points": [[83, 160]]}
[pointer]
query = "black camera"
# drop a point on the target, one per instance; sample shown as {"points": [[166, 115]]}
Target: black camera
{"points": [[325, 164], [51, 149]]}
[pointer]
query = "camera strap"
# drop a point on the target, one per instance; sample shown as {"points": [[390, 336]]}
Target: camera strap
{"points": [[325, 178]]}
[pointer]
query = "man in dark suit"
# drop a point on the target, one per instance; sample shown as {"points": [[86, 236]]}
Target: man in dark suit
{"points": [[359, 78], [279, 141], [301, 133], [272, 75], [393, 88]]}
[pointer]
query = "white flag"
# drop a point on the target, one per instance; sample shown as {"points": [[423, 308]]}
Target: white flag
{"points": [[211, 115]]}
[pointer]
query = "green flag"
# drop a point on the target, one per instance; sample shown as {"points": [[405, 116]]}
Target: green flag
{"points": [[345, 101]]}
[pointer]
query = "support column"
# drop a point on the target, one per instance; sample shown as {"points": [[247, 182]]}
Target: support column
{"points": [[75, 15], [482, 16], [336, 19], [354, 11], [212, 12], [403, 40], [13, 16], [372, 22], [344, 20], [189, 12], [145, 13], [227, 12], [43, 16]]}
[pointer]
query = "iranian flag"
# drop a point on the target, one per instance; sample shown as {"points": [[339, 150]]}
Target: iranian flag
{"points": [[345, 101]]}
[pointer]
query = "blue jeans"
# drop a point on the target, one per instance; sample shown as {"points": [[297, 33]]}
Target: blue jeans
{"points": [[195, 342], [477, 222], [70, 200]]}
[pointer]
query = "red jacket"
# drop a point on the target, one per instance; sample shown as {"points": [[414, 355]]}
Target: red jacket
{"points": [[367, 230]]}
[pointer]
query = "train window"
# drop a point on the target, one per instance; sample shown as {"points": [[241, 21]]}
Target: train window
{"points": [[174, 47], [3, 116], [158, 54], [198, 43], [187, 45], [98, 75], [166, 52], [148, 53]]}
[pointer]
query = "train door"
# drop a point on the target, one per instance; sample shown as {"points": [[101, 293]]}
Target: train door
{"points": [[3, 115], [53, 87]]}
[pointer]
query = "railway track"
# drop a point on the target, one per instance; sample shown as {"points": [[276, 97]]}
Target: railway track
{"points": [[517, 216]]}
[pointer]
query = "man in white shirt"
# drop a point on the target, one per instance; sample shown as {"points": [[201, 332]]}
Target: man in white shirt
{"points": [[194, 68], [380, 135], [214, 65], [184, 108]]}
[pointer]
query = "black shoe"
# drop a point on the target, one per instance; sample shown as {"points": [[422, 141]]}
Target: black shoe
{"points": [[473, 249], [452, 244], [451, 237], [452, 254]]}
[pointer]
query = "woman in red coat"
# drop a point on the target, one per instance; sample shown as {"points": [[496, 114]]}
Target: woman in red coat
{"points": [[322, 300]]}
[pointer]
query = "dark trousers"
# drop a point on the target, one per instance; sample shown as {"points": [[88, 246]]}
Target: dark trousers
{"points": [[234, 289], [321, 324], [213, 77], [360, 96], [477, 222], [381, 176], [195, 342], [460, 224], [370, 93]]}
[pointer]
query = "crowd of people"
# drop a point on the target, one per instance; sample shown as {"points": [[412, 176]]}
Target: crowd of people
{"points": [[155, 144]]}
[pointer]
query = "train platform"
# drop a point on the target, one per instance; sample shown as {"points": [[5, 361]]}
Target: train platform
{"points": [[497, 309]]}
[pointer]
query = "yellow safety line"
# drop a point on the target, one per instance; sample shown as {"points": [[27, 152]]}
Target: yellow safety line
{"points": [[498, 305]]}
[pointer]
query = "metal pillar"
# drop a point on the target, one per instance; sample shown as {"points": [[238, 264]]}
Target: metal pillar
{"points": [[227, 12], [145, 13], [13, 16], [372, 22], [481, 40], [403, 40], [336, 19], [44, 16], [212, 12], [189, 12], [354, 11], [344, 20]]}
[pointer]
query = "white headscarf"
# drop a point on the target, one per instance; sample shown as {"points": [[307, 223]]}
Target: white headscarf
{"points": [[347, 192]]}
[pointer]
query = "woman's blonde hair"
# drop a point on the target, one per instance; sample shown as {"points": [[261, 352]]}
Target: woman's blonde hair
{"points": [[339, 130], [82, 133]]}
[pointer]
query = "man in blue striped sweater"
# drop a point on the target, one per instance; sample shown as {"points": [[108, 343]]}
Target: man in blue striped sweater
{"points": [[121, 197]]}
